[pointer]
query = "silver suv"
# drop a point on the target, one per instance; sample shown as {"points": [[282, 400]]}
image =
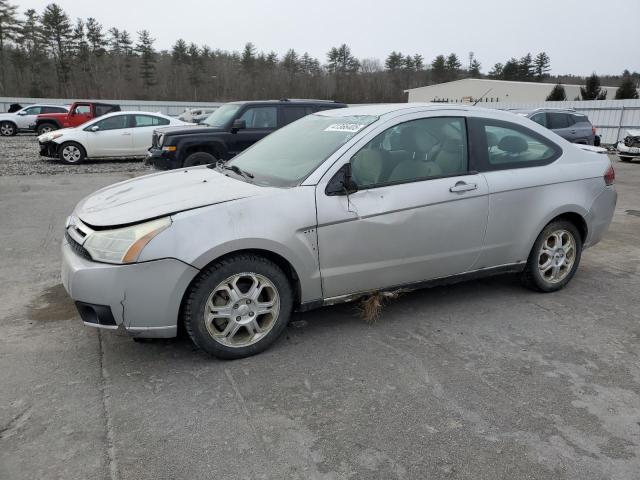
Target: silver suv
{"points": [[572, 126], [335, 206]]}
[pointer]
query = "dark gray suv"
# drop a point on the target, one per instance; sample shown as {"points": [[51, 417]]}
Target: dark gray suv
{"points": [[569, 124]]}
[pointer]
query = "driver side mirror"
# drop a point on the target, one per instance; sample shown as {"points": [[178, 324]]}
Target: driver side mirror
{"points": [[342, 182], [22, 114], [238, 124], [95, 128]]}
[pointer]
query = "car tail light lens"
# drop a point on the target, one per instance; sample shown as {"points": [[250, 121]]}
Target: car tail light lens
{"points": [[593, 129], [610, 176]]}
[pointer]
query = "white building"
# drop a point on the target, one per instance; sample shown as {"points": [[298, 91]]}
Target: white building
{"points": [[469, 90]]}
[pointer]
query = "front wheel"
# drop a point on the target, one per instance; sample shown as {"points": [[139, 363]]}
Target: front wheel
{"points": [[8, 129], [624, 159], [199, 158], [71, 153], [554, 258], [238, 306]]}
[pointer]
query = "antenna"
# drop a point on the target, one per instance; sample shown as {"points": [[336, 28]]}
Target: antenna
{"points": [[483, 95]]}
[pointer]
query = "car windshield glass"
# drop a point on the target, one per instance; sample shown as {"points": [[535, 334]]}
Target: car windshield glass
{"points": [[222, 115], [290, 154]]}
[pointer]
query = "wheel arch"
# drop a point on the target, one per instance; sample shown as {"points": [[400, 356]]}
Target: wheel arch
{"points": [[572, 213], [282, 262], [75, 142], [216, 149], [53, 121]]}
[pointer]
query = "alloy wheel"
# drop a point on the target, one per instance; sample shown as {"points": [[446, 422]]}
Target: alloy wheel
{"points": [[242, 310], [71, 153], [557, 256], [6, 129]]}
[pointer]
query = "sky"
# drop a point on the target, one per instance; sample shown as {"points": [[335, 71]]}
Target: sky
{"points": [[580, 36]]}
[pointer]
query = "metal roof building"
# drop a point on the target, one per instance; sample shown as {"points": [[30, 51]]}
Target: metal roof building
{"points": [[468, 90]]}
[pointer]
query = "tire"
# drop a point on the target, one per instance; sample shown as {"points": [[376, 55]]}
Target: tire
{"points": [[237, 328], [46, 128], [8, 129], [71, 153], [624, 159], [561, 262], [199, 158]]}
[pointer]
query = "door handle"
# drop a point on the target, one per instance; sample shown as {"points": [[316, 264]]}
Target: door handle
{"points": [[127, 133], [573, 131], [463, 187]]}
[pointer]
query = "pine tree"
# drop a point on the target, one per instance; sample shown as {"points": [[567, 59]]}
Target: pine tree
{"points": [[8, 31], [147, 59], [248, 58], [453, 66], [394, 61], [511, 70], [439, 69], [340, 60], [30, 42], [627, 88], [541, 66], [58, 35], [592, 90], [195, 68], [496, 71], [525, 68], [557, 94], [418, 61]]}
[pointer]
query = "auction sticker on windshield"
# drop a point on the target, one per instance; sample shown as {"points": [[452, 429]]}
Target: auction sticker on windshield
{"points": [[344, 127]]}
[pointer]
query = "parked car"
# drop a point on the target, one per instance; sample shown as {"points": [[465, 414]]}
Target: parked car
{"points": [[228, 131], [629, 147], [573, 126], [79, 113], [118, 134], [196, 115], [337, 205], [24, 118]]}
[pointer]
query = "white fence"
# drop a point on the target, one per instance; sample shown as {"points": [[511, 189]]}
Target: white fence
{"points": [[610, 117], [168, 108]]}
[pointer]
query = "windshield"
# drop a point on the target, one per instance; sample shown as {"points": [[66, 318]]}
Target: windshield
{"points": [[222, 115], [290, 154]]}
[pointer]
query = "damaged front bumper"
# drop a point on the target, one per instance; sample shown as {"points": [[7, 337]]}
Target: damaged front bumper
{"points": [[49, 149], [141, 299]]}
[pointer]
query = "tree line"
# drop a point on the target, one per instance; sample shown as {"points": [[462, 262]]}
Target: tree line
{"points": [[48, 54]]}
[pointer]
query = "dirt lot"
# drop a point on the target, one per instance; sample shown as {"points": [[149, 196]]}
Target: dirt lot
{"points": [[483, 380], [20, 156]]}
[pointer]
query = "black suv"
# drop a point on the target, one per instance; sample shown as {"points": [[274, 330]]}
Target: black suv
{"points": [[227, 131]]}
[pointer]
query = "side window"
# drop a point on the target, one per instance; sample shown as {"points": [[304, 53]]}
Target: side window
{"points": [[514, 146], [540, 118], [415, 150], [112, 123], [149, 121], [579, 119], [261, 117], [53, 110], [82, 110], [557, 120], [33, 111], [291, 114]]}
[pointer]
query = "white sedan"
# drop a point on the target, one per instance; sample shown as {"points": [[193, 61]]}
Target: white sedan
{"points": [[115, 135]]}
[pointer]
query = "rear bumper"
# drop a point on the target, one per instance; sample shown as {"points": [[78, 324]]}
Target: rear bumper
{"points": [[162, 160], [600, 215], [142, 299]]}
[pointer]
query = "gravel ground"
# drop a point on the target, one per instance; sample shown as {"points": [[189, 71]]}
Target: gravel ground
{"points": [[21, 156]]}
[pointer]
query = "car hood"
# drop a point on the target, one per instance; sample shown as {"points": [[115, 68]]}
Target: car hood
{"points": [[161, 194], [7, 116], [632, 133], [187, 128]]}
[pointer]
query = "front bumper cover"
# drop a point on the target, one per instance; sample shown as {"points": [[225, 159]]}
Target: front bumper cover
{"points": [[143, 298], [49, 149], [162, 160], [624, 151]]}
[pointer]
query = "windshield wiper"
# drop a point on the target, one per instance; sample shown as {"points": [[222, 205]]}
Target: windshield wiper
{"points": [[235, 169]]}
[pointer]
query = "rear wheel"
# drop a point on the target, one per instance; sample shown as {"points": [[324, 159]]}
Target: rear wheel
{"points": [[8, 129], [46, 128], [554, 258], [71, 153], [624, 159], [199, 158], [238, 306]]}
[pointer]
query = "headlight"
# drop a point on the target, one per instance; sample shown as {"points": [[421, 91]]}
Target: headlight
{"points": [[123, 245], [47, 137]]}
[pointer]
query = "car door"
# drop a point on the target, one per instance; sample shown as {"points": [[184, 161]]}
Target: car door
{"points": [[142, 131], [260, 121], [112, 137], [27, 116], [420, 211], [79, 114], [559, 123]]}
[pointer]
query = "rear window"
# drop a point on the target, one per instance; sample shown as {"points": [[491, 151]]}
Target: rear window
{"points": [[149, 121], [291, 114], [580, 119], [103, 109]]}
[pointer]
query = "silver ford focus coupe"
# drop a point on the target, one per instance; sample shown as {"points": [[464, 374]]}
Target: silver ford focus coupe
{"points": [[335, 206]]}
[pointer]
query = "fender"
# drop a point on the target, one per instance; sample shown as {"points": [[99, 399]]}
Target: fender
{"points": [[563, 210], [186, 143], [55, 121]]}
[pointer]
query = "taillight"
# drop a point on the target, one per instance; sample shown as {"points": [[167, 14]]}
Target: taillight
{"points": [[593, 129], [609, 176]]}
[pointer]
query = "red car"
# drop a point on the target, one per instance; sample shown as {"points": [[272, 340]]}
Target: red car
{"points": [[79, 113]]}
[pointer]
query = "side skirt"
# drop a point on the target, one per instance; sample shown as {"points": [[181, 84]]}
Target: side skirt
{"points": [[409, 287]]}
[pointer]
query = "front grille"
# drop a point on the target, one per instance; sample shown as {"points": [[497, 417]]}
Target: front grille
{"points": [[76, 247]]}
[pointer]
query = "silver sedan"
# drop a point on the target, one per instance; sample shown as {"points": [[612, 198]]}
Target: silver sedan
{"points": [[336, 206]]}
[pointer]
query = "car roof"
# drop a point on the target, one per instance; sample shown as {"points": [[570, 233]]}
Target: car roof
{"points": [[46, 105], [381, 109], [286, 101], [134, 112]]}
